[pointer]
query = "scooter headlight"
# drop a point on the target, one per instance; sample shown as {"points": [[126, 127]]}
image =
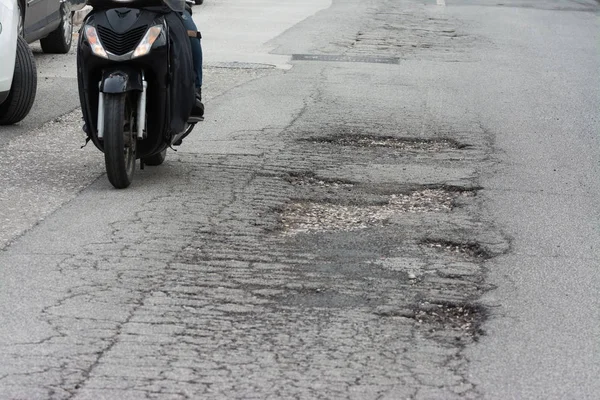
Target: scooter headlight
{"points": [[147, 41], [92, 37]]}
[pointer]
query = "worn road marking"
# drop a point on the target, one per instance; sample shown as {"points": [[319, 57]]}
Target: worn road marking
{"points": [[441, 3]]}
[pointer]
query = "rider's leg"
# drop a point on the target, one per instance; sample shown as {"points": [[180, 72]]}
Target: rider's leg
{"points": [[189, 24]]}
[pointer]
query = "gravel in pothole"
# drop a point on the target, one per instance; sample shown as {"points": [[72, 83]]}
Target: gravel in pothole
{"points": [[471, 250], [459, 317], [466, 318], [312, 180], [408, 144], [313, 217]]}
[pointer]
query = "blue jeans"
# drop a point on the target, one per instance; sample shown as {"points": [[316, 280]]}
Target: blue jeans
{"points": [[189, 24]]}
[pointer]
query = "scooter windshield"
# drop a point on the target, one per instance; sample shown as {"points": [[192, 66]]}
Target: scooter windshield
{"points": [[175, 5]]}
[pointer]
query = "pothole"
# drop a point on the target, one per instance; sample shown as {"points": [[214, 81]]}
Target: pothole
{"points": [[302, 217], [460, 317], [398, 143], [465, 318], [310, 179], [467, 249]]}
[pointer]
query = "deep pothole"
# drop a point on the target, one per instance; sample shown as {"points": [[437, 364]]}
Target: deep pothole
{"points": [[303, 216], [398, 143]]}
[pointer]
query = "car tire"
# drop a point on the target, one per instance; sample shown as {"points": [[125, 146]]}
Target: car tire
{"points": [[23, 88], [198, 2], [59, 41]]}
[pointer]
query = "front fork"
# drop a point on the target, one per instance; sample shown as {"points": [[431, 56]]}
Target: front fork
{"points": [[141, 110], [122, 81]]}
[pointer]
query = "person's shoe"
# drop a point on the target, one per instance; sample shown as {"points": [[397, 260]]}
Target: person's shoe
{"points": [[198, 110]]}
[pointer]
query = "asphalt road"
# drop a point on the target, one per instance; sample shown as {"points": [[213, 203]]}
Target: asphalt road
{"points": [[387, 200]]}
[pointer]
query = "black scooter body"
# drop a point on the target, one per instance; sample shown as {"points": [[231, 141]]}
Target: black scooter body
{"points": [[167, 69]]}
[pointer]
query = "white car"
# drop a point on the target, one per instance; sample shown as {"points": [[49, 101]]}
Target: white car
{"points": [[18, 74]]}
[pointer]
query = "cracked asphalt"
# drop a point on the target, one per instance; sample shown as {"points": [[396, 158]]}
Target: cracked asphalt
{"points": [[328, 232]]}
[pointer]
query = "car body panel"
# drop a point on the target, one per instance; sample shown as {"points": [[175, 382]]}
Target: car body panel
{"points": [[35, 18], [43, 16], [9, 17]]}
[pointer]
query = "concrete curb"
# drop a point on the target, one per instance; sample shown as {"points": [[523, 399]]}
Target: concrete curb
{"points": [[79, 15]]}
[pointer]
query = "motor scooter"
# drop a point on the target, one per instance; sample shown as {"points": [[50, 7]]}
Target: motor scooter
{"points": [[136, 82]]}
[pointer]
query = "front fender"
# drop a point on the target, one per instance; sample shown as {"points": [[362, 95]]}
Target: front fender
{"points": [[121, 80]]}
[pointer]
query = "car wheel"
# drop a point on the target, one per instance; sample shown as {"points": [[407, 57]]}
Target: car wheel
{"points": [[198, 2], [23, 88], [59, 41]]}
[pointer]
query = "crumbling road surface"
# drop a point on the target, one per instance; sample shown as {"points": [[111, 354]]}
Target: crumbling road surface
{"points": [[387, 200]]}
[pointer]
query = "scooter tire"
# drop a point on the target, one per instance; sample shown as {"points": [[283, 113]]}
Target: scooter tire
{"points": [[119, 156]]}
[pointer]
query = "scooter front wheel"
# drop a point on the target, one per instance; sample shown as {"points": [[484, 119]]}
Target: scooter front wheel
{"points": [[120, 140]]}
